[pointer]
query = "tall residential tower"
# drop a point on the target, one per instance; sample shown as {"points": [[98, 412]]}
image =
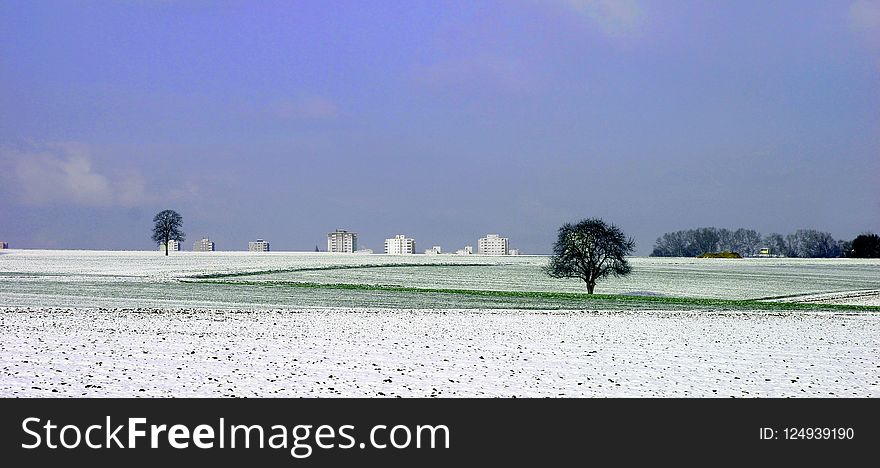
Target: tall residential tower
{"points": [[342, 241], [493, 244], [400, 245]]}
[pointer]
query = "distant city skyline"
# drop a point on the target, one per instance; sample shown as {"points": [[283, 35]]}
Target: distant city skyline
{"points": [[283, 121]]}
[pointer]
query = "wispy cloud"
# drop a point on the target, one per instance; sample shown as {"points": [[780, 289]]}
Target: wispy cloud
{"points": [[66, 174], [486, 56]]}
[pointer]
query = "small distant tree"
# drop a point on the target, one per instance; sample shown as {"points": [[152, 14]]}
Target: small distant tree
{"points": [[166, 228], [590, 250], [866, 245]]}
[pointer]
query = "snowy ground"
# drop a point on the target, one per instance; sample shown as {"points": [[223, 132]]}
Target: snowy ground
{"points": [[422, 353], [868, 297], [94, 275], [80, 323]]}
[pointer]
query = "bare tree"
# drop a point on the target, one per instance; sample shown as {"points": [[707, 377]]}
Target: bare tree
{"points": [[802, 243], [726, 240], [166, 228], [590, 250], [706, 239], [810, 243], [746, 241], [776, 243]]}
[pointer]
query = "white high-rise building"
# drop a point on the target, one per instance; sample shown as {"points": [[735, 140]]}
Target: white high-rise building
{"points": [[258, 245], [493, 244], [173, 245], [436, 250], [203, 245], [342, 241], [400, 245]]}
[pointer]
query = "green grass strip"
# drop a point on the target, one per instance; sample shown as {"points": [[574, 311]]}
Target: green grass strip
{"points": [[607, 299], [336, 267]]}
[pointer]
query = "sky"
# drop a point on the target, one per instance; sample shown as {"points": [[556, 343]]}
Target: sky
{"points": [[443, 121]]}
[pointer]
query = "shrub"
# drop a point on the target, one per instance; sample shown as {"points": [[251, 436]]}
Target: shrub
{"points": [[725, 254]]}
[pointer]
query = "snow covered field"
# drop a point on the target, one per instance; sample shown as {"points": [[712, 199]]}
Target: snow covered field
{"points": [[78, 323], [421, 353], [143, 279]]}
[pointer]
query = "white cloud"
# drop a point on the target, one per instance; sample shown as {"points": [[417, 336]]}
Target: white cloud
{"points": [[66, 174]]}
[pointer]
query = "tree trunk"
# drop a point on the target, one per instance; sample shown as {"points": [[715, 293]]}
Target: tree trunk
{"points": [[166, 248], [590, 287]]}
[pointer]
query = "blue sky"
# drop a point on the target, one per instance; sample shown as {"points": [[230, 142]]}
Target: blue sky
{"points": [[441, 120]]}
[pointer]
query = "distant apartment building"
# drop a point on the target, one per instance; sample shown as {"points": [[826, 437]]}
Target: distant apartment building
{"points": [[493, 244], [400, 245], [203, 245], [4, 245], [513, 252], [342, 241], [258, 245], [467, 250], [435, 250], [173, 245]]}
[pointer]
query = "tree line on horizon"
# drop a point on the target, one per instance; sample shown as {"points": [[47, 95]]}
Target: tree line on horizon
{"points": [[803, 243], [593, 237]]}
